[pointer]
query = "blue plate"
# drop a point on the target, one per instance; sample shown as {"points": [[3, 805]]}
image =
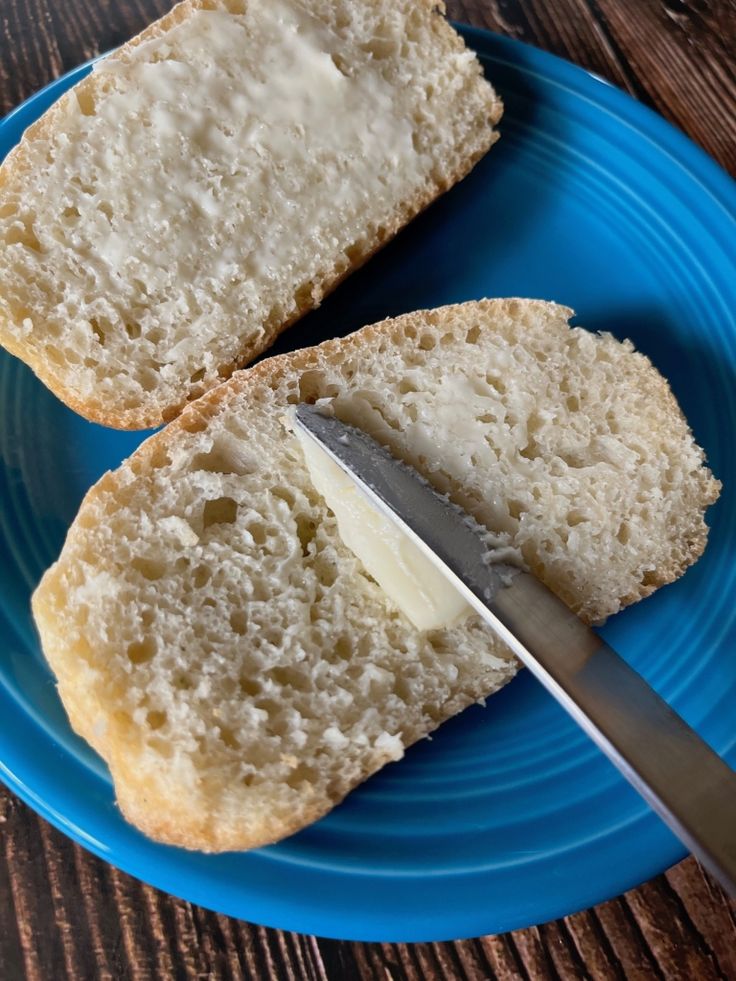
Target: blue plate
{"points": [[509, 816]]}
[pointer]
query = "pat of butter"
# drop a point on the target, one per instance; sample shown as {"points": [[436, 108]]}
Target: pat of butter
{"points": [[407, 577]]}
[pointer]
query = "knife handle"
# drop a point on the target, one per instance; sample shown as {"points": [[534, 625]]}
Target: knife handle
{"points": [[675, 771]]}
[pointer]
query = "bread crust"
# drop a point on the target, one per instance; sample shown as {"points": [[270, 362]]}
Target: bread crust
{"points": [[156, 814], [142, 416]]}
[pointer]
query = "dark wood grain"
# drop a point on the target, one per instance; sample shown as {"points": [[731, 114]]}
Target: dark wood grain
{"points": [[65, 913]]}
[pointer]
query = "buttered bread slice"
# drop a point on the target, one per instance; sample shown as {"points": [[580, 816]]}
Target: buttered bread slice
{"points": [[225, 651], [213, 179]]}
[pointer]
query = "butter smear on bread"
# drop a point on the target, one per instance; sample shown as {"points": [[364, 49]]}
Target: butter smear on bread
{"points": [[407, 576]]}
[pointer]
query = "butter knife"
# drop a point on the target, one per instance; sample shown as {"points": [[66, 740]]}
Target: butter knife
{"points": [[678, 774]]}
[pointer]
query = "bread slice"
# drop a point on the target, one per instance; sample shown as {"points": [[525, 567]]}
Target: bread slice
{"points": [[221, 648], [213, 179]]}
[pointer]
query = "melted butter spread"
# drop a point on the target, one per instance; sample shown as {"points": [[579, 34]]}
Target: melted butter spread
{"points": [[407, 577], [295, 136]]}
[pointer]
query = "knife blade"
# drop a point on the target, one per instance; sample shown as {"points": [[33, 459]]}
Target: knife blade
{"points": [[678, 774]]}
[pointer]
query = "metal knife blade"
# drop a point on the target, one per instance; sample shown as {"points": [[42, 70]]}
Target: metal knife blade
{"points": [[677, 773]]}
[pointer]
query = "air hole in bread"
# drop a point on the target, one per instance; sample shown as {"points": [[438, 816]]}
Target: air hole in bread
{"points": [[133, 331], [22, 314], [343, 648], [301, 774], [438, 640], [192, 422], [151, 569], [355, 251], [197, 376], [250, 686], [148, 377], [155, 719], [496, 383], [290, 678], [278, 723], [227, 456], [368, 577], [158, 457], [530, 451], [239, 622], [227, 736], [270, 706], [574, 460], [84, 186], [85, 100], [273, 636], [142, 651], [326, 572], [515, 508], [202, 576], [220, 511], [623, 534], [259, 532], [311, 386], [23, 234], [285, 495], [379, 48], [97, 330], [339, 62], [403, 689], [306, 530], [304, 296]]}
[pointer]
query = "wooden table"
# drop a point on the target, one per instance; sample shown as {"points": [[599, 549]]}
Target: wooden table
{"points": [[64, 913]]}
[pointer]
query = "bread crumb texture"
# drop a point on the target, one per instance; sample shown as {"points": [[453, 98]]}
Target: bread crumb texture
{"points": [[229, 657], [213, 179]]}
